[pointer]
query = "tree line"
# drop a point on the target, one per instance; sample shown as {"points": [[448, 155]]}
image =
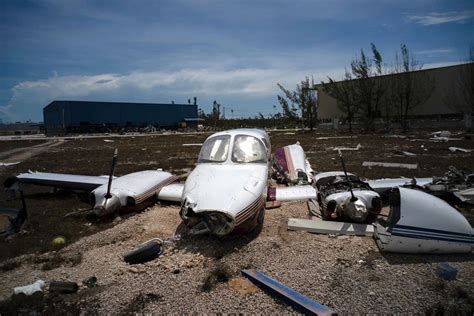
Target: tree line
{"points": [[399, 88]]}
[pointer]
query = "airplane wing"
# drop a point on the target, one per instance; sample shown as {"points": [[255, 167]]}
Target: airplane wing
{"points": [[293, 193], [384, 185], [62, 180], [171, 192]]}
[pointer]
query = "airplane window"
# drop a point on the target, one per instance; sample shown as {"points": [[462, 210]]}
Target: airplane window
{"points": [[248, 149], [215, 149]]}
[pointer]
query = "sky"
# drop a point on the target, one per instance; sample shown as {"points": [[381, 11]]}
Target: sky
{"points": [[234, 52]]}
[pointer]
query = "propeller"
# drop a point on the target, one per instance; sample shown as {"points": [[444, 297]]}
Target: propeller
{"points": [[353, 198], [109, 203], [111, 175]]}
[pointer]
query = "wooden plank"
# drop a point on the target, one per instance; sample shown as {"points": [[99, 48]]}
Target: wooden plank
{"points": [[293, 298], [330, 227]]}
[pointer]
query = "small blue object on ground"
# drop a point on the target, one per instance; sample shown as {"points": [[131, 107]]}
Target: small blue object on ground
{"points": [[446, 271], [296, 300]]}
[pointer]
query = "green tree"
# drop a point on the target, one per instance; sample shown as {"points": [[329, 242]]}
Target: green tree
{"points": [[303, 98]]}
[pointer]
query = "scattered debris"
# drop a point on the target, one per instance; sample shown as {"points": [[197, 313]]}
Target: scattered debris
{"points": [[109, 141], [455, 149], [30, 288], [394, 136], [441, 134], [359, 146], [330, 227], [446, 271], [6, 164], [145, 252], [90, 282], [335, 137], [444, 139], [390, 165], [193, 144], [458, 182], [295, 299], [63, 287], [405, 153]]}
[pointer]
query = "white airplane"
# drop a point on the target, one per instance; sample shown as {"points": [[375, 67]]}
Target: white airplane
{"points": [[226, 192]]}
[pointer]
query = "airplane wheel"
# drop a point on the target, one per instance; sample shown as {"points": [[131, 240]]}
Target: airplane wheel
{"points": [[147, 252]]}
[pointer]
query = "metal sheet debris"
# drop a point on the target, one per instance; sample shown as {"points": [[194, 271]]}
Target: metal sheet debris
{"points": [[390, 165], [359, 146], [293, 298], [6, 164], [192, 144], [330, 227], [335, 137], [455, 149], [405, 153]]}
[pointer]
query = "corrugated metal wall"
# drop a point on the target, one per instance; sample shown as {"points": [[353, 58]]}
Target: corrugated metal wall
{"points": [[63, 116]]}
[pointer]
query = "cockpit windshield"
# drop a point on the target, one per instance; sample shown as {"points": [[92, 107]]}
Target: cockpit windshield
{"points": [[215, 149], [248, 149]]}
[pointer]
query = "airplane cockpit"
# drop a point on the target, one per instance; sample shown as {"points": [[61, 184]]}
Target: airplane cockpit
{"points": [[245, 149]]}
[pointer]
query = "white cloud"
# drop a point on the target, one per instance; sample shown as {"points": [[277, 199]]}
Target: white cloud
{"points": [[436, 18], [435, 51], [29, 97]]}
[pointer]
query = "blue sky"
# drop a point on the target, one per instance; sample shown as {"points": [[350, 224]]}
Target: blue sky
{"points": [[230, 51]]}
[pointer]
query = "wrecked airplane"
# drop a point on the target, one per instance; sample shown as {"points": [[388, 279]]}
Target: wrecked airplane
{"points": [[290, 165], [459, 183], [232, 164], [422, 223], [344, 197]]}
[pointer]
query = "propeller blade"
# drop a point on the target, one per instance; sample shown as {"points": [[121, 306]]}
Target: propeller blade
{"points": [[353, 198], [112, 171]]}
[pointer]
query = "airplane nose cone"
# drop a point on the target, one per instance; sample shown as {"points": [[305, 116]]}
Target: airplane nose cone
{"points": [[107, 205]]}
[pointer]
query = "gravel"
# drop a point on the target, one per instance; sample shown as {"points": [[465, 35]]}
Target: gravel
{"points": [[198, 275]]}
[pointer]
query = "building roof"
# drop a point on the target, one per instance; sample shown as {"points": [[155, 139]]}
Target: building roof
{"points": [[111, 103], [389, 75]]}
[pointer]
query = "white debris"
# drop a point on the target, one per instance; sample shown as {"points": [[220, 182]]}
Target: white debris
{"points": [[330, 227], [390, 165], [109, 141], [454, 149], [405, 153], [30, 288], [335, 137], [6, 164], [193, 144], [441, 134], [359, 146], [395, 136]]}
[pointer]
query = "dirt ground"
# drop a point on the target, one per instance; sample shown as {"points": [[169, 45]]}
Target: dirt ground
{"points": [[202, 275]]}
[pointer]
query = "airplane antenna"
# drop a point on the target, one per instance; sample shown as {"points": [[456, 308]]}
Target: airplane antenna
{"points": [[112, 171], [353, 198]]}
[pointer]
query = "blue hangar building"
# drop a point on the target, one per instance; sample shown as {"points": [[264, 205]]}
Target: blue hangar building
{"points": [[66, 117]]}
